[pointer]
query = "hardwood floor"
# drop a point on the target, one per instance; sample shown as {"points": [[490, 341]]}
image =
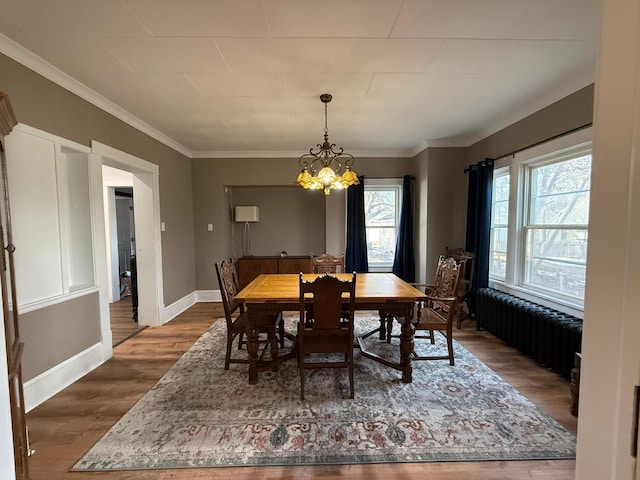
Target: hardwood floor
{"points": [[63, 428], [123, 326]]}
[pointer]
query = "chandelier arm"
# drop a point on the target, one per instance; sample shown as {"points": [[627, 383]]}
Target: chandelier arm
{"points": [[306, 161], [349, 160]]}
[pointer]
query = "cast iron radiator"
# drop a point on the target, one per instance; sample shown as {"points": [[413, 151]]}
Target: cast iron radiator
{"points": [[551, 337]]}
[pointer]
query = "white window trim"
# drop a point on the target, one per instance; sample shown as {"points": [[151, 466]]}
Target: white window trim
{"points": [[518, 194], [386, 184]]}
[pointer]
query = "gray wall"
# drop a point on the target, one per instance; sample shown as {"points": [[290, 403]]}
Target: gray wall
{"points": [[212, 205], [39, 103], [281, 207], [54, 334], [569, 113], [57, 333], [441, 213]]}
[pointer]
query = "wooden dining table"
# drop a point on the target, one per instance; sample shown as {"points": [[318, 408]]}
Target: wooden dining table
{"points": [[386, 293]]}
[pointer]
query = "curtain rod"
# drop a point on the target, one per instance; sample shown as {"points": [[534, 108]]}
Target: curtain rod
{"points": [[553, 137], [535, 144]]}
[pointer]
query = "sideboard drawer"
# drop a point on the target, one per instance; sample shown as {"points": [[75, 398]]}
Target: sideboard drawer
{"points": [[295, 265], [250, 267]]}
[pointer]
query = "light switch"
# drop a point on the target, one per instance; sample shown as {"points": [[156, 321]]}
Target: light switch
{"points": [[210, 227], [162, 226]]}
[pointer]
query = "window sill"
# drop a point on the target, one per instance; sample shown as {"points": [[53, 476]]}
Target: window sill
{"points": [[565, 307]]}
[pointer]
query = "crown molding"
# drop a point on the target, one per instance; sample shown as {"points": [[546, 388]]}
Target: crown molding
{"points": [[32, 61], [285, 154], [37, 64], [584, 79]]}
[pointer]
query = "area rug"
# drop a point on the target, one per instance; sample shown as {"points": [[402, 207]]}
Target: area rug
{"points": [[199, 415]]}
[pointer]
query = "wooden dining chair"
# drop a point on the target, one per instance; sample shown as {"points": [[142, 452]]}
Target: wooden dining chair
{"points": [[426, 287], [438, 311], [281, 326], [236, 325], [328, 263], [328, 332], [466, 282]]}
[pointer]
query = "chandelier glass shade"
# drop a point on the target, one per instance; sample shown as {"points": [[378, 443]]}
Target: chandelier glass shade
{"points": [[327, 168]]}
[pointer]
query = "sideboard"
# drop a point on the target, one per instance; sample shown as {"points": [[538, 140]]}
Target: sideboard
{"points": [[250, 267]]}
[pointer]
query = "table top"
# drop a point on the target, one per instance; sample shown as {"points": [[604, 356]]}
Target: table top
{"points": [[370, 288]]}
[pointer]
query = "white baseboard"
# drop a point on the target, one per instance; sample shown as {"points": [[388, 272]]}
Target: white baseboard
{"points": [[179, 306], [48, 383]]}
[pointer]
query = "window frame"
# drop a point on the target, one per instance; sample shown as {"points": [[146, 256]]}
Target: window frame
{"points": [[499, 173], [385, 184], [519, 166]]}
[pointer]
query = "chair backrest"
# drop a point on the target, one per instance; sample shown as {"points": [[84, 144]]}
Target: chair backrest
{"points": [[327, 263], [461, 254], [447, 278], [228, 282], [327, 294]]}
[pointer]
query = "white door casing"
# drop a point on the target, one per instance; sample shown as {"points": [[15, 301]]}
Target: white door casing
{"points": [[146, 193]]}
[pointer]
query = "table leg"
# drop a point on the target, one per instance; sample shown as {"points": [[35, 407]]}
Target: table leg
{"points": [[252, 348], [273, 341], [406, 349], [383, 325]]}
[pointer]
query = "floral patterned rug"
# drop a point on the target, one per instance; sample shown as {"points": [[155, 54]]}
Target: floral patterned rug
{"points": [[199, 415]]}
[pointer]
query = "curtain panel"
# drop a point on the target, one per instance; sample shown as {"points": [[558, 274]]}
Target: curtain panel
{"points": [[356, 252], [479, 222], [404, 264]]}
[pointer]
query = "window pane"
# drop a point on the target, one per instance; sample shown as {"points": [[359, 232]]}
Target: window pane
{"points": [[381, 245], [501, 188], [500, 199], [380, 208], [560, 193], [498, 260], [556, 260], [499, 230]]}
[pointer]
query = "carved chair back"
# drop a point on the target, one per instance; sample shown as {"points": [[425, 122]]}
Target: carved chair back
{"points": [[327, 263]]}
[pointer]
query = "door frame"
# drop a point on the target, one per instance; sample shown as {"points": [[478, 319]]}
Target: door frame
{"points": [[146, 191]]}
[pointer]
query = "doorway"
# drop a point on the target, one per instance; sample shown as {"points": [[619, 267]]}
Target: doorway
{"points": [[144, 177], [121, 239]]}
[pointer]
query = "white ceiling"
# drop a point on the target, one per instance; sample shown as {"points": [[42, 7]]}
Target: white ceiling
{"points": [[220, 78]]}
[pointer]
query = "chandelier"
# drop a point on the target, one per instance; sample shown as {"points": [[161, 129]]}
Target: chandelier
{"points": [[323, 169]]}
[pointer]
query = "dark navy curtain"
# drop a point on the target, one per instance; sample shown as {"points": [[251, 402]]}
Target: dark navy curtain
{"points": [[404, 264], [479, 222], [355, 257]]}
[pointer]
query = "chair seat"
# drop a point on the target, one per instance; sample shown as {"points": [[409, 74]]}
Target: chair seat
{"points": [[432, 319]]}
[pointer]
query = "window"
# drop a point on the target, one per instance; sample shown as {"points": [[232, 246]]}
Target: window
{"points": [[499, 224], [382, 200], [540, 212], [556, 227]]}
